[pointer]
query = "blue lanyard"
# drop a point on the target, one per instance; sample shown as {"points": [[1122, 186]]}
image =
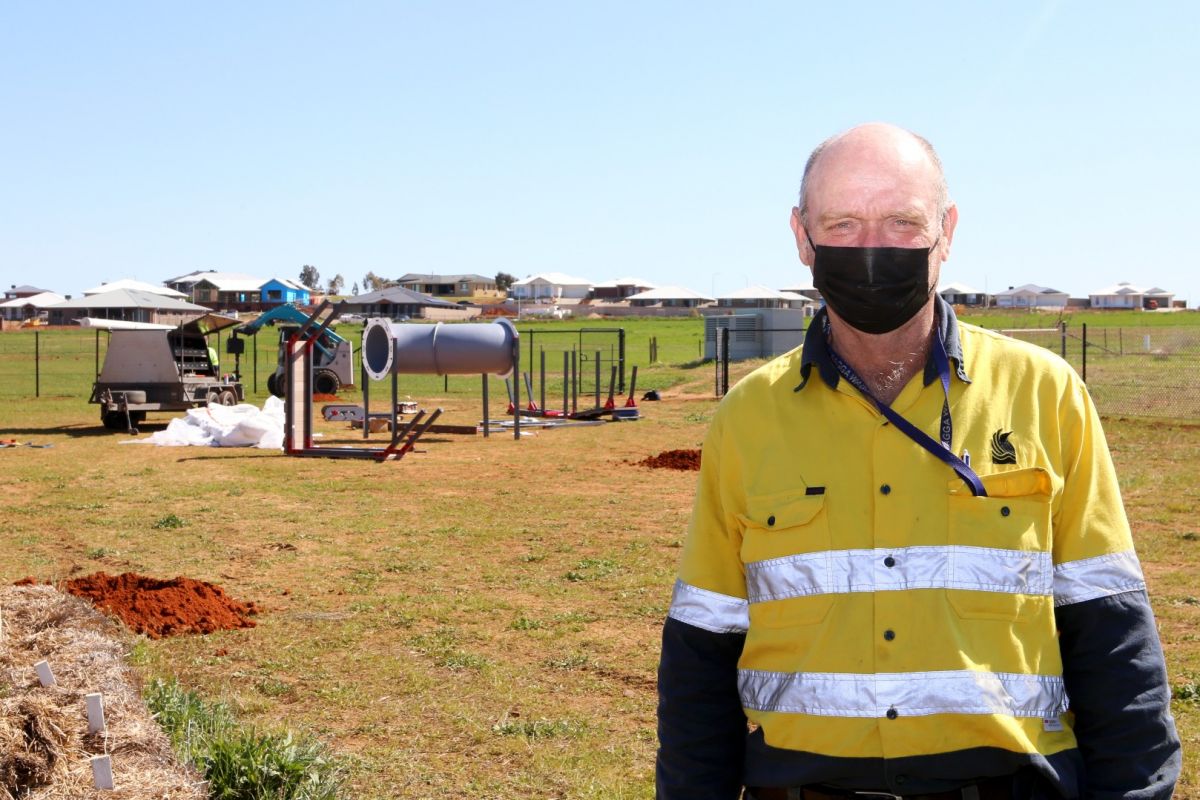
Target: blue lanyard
{"points": [[942, 450]]}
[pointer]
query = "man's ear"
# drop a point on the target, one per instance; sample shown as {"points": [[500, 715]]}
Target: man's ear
{"points": [[948, 226], [802, 245]]}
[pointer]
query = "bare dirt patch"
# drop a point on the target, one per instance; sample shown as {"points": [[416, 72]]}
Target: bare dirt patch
{"points": [[160, 608], [672, 459]]}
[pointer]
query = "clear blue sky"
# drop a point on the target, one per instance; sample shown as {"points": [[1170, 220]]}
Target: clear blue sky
{"points": [[663, 140]]}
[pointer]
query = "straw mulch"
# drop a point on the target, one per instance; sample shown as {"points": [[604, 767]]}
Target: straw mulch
{"points": [[45, 749]]}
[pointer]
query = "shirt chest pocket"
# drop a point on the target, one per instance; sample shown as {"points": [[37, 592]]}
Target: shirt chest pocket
{"points": [[1000, 566], [785, 553]]}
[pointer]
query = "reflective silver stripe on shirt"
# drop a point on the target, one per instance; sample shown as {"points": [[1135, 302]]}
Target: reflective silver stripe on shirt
{"points": [[1089, 578], [711, 611], [841, 694], [984, 569]]}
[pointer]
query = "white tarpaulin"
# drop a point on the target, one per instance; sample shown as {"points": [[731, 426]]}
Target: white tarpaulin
{"points": [[215, 425]]}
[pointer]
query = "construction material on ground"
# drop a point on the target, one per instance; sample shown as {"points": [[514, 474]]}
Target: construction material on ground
{"points": [[242, 425], [162, 370]]}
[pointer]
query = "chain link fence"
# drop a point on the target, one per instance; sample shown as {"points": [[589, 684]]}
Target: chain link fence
{"points": [[1132, 371]]}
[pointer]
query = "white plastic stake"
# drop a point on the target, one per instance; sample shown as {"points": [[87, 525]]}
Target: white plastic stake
{"points": [[95, 711], [45, 674], [102, 772]]}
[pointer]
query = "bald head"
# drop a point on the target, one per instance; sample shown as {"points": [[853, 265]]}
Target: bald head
{"points": [[886, 148]]}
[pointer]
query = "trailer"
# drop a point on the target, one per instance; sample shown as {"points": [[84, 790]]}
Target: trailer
{"points": [[163, 369]]}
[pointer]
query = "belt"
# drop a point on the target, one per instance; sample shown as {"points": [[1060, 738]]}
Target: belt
{"points": [[991, 789]]}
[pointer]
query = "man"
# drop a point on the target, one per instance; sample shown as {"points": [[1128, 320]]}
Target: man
{"points": [[908, 565]]}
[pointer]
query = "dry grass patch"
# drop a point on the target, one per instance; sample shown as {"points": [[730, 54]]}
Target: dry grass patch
{"points": [[45, 748]]}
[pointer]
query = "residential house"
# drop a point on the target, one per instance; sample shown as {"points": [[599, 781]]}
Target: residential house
{"points": [[761, 297], [130, 305], [959, 294], [668, 297], [30, 306], [22, 291], [398, 303], [804, 290], [1030, 296], [620, 288], [468, 285], [281, 291], [1127, 296], [235, 291], [550, 286]]}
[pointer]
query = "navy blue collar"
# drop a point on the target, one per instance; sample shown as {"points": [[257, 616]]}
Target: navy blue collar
{"points": [[816, 349]]}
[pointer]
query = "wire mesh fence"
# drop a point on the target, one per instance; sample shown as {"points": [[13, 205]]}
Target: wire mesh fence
{"points": [[1129, 371]]}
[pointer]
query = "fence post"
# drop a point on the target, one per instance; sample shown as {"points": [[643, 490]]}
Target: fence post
{"points": [[725, 362], [37, 364], [1085, 342], [1063, 333], [621, 357]]}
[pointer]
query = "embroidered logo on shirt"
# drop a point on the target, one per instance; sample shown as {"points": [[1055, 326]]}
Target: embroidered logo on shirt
{"points": [[1052, 724], [1003, 451]]}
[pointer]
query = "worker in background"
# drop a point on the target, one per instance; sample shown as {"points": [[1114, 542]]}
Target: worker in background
{"points": [[908, 571]]}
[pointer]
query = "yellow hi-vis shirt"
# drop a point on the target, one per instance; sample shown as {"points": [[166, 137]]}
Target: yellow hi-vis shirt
{"points": [[887, 611]]}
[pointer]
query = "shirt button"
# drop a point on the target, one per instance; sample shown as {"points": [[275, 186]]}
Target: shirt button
{"points": [[892, 713], [770, 520], [889, 562], [885, 489], [889, 634], [1004, 512]]}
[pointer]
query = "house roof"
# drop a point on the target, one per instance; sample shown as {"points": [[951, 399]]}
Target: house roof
{"points": [[415, 277], [759, 292], [130, 298], [130, 283], [289, 283], [26, 289], [957, 288], [39, 300], [400, 296], [224, 281], [1125, 288], [625, 282], [1029, 288], [668, 293], [558, 278]]}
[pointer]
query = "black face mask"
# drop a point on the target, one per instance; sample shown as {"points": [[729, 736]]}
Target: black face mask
{"points": [[874, 289]]}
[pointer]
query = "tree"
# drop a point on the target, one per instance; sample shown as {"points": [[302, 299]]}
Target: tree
{"points": [[373, 283], [310, 277], [354, 291], [335, 284], [504, 281]]}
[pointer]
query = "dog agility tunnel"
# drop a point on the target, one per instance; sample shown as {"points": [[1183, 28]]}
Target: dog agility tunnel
{"points": [[389, 348]]}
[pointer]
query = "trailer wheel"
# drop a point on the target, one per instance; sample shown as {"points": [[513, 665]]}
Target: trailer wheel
{"points": [[213, 396], [275, 385], [326, 382], [227, 398]]}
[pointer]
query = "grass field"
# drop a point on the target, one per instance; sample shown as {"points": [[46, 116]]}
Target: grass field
{"points": [[482, 618]]}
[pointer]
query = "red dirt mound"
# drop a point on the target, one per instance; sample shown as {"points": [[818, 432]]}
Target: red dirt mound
{"points": [[161, 608], [672, 459]]}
